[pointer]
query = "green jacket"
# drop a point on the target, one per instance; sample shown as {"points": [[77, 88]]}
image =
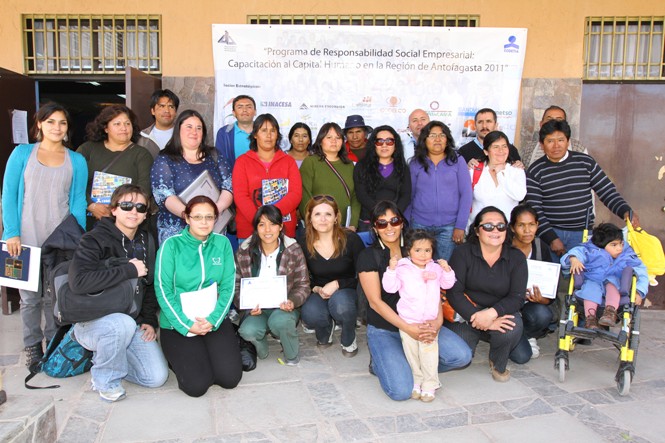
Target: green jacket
{"points": [[186, 264]]}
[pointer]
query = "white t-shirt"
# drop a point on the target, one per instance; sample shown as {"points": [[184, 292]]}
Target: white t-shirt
{"points": [[161, 137]]}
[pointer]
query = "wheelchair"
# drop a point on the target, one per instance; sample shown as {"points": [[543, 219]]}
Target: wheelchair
{"points": [[626, 339]]}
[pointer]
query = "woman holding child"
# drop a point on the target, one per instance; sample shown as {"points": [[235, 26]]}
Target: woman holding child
{"points": [[388, 360]]}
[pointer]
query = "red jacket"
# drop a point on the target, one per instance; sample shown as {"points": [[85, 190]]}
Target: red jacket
{"points": [[248, 175]]}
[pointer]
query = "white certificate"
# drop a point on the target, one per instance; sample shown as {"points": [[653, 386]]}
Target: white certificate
{"points": [[199, 303], [266, 292], [545, 275]]}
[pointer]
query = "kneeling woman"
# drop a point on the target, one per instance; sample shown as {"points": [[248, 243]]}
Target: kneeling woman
{"points": [[204, 350], [268, 253], [490, 289], [123, 347]]}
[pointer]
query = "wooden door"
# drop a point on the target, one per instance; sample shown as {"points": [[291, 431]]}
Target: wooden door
{"points": [[620, 125], [138, 90], [16, 92]]}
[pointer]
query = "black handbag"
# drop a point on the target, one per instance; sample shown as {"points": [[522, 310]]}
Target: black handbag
{"points": [[71, 307]]}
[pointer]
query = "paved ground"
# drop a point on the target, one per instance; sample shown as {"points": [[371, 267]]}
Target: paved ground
{"points": [[330, 398]]}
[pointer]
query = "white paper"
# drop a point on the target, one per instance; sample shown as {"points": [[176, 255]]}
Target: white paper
{"points": [[34, 268], [20, 126], [266, 292], [199, 303], [545, 275]]}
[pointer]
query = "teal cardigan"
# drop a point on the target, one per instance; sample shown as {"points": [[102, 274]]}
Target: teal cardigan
{"points": [[13, 188]]}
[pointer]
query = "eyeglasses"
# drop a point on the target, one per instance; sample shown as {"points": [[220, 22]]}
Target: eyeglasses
{"points": [[441, 136], [326, 197], [384, 141], [199, 218], [489, 227], [383, 224], [141, 208]]}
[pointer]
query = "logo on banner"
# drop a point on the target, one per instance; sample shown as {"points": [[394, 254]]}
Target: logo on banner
{"points": [[511, 46], [434, 105], [303, 107], [393, 101], [366, 102], [267, 104]]}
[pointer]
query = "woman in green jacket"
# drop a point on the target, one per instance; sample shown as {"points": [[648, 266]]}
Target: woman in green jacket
{"points": [[200, 345]]}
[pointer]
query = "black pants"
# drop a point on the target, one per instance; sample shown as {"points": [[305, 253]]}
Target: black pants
{"points": [[204, 360], [501, 343]]}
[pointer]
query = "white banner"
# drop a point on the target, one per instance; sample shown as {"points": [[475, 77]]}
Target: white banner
{"points": [[317, 74]]}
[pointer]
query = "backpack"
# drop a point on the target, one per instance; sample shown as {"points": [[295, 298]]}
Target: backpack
{"points": [[64, 357]]}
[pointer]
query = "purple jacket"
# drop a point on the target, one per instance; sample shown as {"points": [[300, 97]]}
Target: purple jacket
{"points": [[441, 196]]}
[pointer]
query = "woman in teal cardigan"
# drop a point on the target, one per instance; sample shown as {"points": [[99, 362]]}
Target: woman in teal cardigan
{"points": [[203, 350], [327, 171], [44, 182]]}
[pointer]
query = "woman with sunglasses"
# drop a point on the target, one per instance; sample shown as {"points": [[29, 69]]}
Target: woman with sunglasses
{"points": [[43, 183], [490, 289], [382, 174], [331, 253], [494, 180], [329, 171], [201, 347], [440, 189], [123, 347], [185, 157], [388, 361]]}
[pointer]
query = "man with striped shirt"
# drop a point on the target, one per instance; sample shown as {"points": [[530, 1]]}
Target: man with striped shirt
{"points": [[559, 187]]}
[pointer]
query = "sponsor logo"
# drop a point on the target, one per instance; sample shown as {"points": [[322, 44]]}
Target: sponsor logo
{"points": [[303, 107], [228, 42], [434, 105], [271, 104], [511, 46]]}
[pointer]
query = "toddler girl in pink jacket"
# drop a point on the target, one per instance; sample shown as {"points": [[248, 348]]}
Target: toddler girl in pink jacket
{"points": [[418, 279]]}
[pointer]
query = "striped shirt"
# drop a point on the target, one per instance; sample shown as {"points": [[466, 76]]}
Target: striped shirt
{"points": [[561, 193]]}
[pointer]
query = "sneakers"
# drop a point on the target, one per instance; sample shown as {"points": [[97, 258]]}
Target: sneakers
{"points": [[590, 320], [306, 330], [501, 377], [609, 317], [328, 342], [426, 396], [113, 394], [351, 350], [292, 362], [33, 354], [415, 394], [535, 349]]}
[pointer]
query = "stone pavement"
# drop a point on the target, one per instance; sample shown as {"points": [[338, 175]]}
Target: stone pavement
{"points": [[330, 398]]}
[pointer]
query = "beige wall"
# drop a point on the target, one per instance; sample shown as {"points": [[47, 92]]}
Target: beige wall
{"points": [[554, 49]]}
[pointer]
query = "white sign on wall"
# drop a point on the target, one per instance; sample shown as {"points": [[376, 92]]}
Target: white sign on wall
{"points": [[317, 74]]}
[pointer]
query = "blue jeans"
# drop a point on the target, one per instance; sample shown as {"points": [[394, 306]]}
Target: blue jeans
{"points": [[119, 351], [444, 239], [317, 313], [570, 239], [536, 319], [390, 365]]}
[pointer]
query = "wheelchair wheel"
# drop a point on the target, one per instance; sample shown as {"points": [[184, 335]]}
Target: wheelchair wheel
{"points": [[562, 369], [623, 384]]}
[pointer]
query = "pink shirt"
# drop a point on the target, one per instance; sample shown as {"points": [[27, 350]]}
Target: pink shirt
{"points": [[419, 293]]}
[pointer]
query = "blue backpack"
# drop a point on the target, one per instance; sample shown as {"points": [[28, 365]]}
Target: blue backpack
{"points": [[64, 357]]}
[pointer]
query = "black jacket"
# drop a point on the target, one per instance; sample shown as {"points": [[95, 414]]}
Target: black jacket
{"points": [[88, 274]]}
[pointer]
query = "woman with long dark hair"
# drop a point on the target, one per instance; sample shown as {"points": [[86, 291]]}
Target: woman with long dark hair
{"points": [[185, 157], [382, 174]]}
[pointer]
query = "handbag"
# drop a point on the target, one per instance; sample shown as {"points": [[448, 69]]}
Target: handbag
{"points": [[72, 307], [648, 248], [64, 357], [449, 313], [347, 222]]}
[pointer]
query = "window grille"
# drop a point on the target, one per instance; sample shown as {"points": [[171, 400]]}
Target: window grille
{"points": [[442, 20], [91, 44], [624, 48]]}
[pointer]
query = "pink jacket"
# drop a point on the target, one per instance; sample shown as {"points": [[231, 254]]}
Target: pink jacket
{"points": [[419, 294]]}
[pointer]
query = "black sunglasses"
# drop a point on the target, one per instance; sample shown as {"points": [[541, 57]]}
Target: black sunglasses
{"points": [[489, 227], [327, 197], [384, 141], [383, 224], [141, 208]]}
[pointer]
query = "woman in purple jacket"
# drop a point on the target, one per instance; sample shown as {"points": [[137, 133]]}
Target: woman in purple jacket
{"points": [[441, 192]]}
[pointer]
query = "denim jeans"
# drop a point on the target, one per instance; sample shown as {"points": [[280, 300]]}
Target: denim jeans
{"points": [[342, 306], [444, 239], [536, 319], [32, 306], [119, 352], [390, 365], [570, 239]]}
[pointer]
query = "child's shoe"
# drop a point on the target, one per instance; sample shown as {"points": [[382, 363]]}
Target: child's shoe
{"points": [[590, 320], [427, 396], [609, 317], [416, 393]]}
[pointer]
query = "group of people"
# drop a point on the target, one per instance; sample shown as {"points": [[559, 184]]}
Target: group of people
{"points": [[435, 217]]}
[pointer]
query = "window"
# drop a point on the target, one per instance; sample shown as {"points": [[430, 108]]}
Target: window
{"points": [[450, 20], [624, 48], [91, 44]]}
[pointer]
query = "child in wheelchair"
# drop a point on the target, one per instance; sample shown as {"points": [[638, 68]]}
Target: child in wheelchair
{"points": [[601, 262]]}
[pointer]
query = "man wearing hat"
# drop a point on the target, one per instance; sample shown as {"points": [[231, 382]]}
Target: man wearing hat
{"points": [[356, 131]]}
